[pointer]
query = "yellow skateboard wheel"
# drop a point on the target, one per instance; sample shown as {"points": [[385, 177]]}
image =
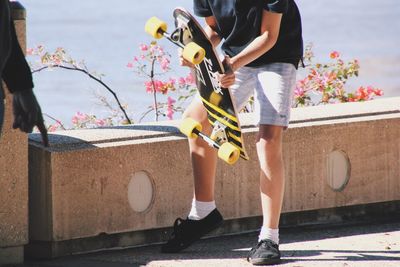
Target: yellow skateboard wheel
{"points": [[155, 27], [188, 126], [193, 53], [228, 153]]}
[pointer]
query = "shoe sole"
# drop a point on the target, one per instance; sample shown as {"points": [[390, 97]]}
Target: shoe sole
{"points": [[264, 261], [216, 226]]}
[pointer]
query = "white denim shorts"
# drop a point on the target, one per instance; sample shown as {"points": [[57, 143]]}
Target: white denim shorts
{"points": [[272, 86]]}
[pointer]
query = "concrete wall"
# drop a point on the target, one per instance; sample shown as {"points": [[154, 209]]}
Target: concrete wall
{"points": [[119, 186], [13, 175]]}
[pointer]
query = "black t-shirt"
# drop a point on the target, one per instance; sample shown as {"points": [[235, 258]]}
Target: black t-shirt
{"points": [[239, 23]]}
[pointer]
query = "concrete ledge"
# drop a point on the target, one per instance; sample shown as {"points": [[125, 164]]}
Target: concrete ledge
{"points": [[81, 188]]}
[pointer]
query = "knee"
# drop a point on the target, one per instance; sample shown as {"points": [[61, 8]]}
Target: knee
{"points": [[269, 143], [196, 111], [269, 137], [269, 150]]}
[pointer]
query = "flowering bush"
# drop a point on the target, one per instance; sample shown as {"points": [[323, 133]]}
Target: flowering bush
{"points": [[81, 120], [60, 59], [152, 63], [322, 84], [325, 83]]}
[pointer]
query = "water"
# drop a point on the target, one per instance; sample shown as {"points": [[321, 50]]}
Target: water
{"points": [[106, 35]]}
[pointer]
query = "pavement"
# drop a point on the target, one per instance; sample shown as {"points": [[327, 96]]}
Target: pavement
{"points": [[373, 244]]}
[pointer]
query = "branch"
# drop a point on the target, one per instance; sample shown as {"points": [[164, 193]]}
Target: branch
{"points": [[94, 78], [54, 119], [145, 114]]}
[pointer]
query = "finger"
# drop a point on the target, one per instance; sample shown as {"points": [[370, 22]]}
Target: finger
{"points": [[25, 127], [30, 122], [227, 81], [43, 132], [227, 84], [17, 121], [227, 78], [227, 64]]}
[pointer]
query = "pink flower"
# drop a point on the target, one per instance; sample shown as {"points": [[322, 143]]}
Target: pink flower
{"points": [[149, 86], [374, 91], [143, 47], [181, 81], [170, 106], [299, 92], [172, 81], [100, 122], [79, 117], [130, 65], [29, 51], [171, 101], [56, 60], [370, 90], [158, 85], [164, 64], [378, 92], [362, 94], [53, 128], [190, 79], [170, 114], [334, 54], [160, 49]]}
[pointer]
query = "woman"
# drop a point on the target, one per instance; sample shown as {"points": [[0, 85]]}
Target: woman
{"points": [[15, 72]]}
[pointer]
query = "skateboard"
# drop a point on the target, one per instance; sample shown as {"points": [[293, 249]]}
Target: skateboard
{"points": [[226, 135]]}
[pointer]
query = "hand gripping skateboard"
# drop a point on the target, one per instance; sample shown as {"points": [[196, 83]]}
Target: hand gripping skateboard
{"points": [[197, 48]]}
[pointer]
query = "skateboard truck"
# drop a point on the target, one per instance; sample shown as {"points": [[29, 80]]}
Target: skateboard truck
{"points": [[219, 133], [226, 151], [192, 52], [181, 34]]}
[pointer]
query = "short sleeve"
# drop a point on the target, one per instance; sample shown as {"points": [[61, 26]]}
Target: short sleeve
{"points": [[276, 6], [201, 8], [16, 73]]}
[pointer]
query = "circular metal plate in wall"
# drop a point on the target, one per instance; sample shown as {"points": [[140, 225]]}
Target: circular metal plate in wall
{"points": [[338, 170], [141, 192]]}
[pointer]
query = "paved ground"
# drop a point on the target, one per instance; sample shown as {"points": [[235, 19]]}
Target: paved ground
{"points": [[356, 245]]}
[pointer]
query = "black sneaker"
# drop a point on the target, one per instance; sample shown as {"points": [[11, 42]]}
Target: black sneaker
{"points": [[265, 253], [186, 232]]}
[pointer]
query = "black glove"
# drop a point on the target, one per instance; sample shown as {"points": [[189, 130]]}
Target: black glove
{"points": [[27, 114]]}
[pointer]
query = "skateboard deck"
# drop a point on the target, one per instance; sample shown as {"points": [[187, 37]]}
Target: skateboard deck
{"points": [[221, 111]]}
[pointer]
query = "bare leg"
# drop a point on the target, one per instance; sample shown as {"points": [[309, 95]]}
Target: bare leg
{"points": [[204, 157], [272, 177], [203, 216]]}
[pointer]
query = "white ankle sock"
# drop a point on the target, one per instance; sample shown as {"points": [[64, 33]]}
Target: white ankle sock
{"points": [[201, 209], [268, 233]]}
